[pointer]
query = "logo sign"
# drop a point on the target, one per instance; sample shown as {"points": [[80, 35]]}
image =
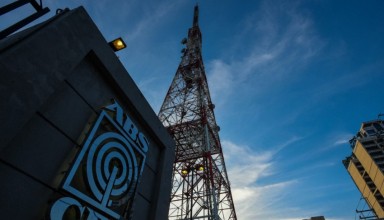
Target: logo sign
{"points": [[105, 174]]}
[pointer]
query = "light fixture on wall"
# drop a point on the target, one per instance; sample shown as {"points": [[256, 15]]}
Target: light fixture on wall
{"points": [[117, 44]]}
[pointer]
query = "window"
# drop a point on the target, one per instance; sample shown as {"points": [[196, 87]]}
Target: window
{"points": [[370, 132]]}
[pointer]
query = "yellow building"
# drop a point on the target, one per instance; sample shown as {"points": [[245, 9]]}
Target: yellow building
{"points": [[366, 164]]}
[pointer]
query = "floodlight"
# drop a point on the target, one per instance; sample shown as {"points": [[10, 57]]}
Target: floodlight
{"points": [[184, 172], [199, 167], [117, 44]]}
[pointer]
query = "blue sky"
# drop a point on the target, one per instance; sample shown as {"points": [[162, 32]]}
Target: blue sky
{"points": [[292, 81]]}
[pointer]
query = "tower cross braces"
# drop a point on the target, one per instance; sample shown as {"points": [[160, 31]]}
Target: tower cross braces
{"points": [[201, 189]]}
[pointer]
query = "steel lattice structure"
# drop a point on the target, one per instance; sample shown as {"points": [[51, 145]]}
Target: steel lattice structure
{"points": [[201, 188]]}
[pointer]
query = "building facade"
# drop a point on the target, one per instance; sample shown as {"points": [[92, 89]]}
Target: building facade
{"points": [[78, 139], [316, 218], [366, 164]]}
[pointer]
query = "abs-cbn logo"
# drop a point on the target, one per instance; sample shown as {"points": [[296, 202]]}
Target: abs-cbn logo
{"points": [[103, 179]]}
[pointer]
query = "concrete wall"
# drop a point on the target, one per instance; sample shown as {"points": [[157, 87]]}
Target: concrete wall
{"points": [[55, 78]]}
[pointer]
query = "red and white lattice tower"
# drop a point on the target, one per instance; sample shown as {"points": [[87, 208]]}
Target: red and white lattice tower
{"points": [[201, 188]]}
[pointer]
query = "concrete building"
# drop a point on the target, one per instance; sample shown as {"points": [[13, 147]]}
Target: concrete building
{"points": [[366, 164], [316, 218], [78, 139]]}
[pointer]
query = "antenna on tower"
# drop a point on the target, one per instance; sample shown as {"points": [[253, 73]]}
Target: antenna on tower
{"points": [[196, 16]]}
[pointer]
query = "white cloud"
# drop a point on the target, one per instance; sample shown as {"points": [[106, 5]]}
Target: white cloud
{"points": [[280, 41], [220, 73], [253, 200], [151, 18], [339, 138], [342, 141], [246, 166], [334, 140], [258, 202]]}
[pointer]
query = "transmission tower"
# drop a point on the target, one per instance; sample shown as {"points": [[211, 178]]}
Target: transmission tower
{"points": [[201, 188]]}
